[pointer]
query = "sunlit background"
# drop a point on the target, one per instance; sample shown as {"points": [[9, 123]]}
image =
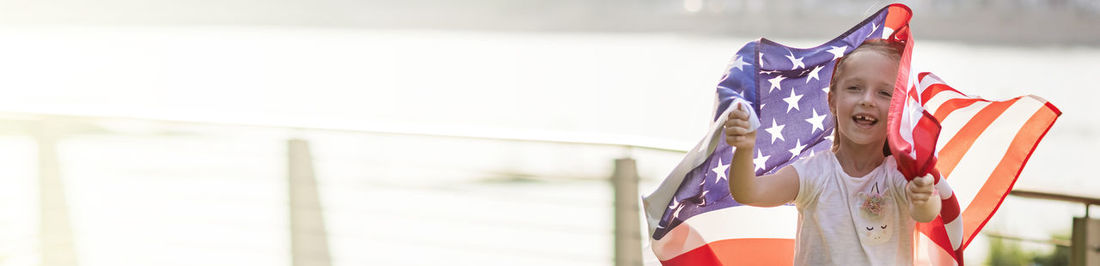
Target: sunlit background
{"points": [[433, 132]]}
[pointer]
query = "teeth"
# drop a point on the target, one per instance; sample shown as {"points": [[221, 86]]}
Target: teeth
{"points": [[866, 118]]}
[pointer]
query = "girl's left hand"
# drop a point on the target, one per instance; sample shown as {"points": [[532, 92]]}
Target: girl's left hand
{"points": [[920, 189]]}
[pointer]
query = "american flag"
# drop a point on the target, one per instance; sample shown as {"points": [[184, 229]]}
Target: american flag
{"points": [[936, 129], [983, 144], [694, 221]]}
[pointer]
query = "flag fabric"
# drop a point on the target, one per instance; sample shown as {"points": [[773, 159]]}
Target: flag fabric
{"points": [[692, 218], [912, 134], [980, 145], [936, 129]]}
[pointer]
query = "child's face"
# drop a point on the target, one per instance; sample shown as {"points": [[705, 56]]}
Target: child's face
{"points": [[861, 97]]}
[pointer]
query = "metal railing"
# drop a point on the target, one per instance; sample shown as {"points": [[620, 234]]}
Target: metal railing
{"points": [[1083, 244], [1057, 197], [307, 220], [308, 235]]}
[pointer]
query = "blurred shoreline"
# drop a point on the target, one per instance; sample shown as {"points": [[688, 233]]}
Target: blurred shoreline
{"points": [[1012, 23]]}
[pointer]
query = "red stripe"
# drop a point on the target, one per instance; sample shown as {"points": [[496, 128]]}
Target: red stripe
{"points": [[897, 16], [922, 75], [913, 94], [953, 104], [926, 133], [938, 234], [897, 111], [1002, 179], [949, 208], [934, 89], [955, 148], [744, 251]]}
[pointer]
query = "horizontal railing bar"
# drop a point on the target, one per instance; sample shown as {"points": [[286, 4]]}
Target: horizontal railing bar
{"points": [[497, 134], [1052, 241], [1053, 196]]}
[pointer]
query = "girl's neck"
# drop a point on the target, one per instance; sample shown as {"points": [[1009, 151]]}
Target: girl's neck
{"points": [[859, 160]]}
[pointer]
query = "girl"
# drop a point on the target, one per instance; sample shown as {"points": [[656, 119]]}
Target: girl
{"points": [[854, 206]]}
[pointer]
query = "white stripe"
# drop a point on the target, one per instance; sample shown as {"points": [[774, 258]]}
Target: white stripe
{"points": [[944, 188], [955, 121], [954, 232], [938, 99], [929, 80], [886, 31], [985, 154], [728, 223]]}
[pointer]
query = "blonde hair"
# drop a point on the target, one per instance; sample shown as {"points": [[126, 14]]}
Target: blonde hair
{"points": [[889, 48]]}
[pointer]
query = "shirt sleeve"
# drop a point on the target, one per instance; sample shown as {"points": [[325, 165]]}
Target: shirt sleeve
{"points": [[810, 174]]}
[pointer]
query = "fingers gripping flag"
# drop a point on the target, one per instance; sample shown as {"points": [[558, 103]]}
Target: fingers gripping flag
{"points": [[692, 218]]}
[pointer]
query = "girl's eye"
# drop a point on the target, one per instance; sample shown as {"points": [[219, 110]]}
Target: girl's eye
{"points": [[853, 88], [886, 93], [870, 228], [883, 226]]}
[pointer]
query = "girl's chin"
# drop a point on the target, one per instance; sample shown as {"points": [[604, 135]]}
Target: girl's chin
{"points": [[865, 138], [864, 142]]}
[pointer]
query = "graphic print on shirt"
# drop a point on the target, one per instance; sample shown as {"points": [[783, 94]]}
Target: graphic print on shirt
{"points": [[876, 211]]}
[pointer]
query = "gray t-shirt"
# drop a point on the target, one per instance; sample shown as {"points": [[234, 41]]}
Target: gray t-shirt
{"points": [[844, 220]]}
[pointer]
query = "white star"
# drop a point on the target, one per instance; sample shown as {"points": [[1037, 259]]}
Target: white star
{"points": [[792, 102], [873, 29], [795, 61], [674, 204], [761, 60], [797, 148], [829, 136], [738, 63], [825, 89], [760, 160], [776, 131], [676, 214], [817, 121], [775, 82], [741, 93], [838, 51], [813, 74], [720, 170]]}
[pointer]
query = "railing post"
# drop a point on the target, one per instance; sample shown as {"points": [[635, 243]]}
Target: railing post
{"points": [[1085, 247], [627, 220], [55, 230], [308, 239]]}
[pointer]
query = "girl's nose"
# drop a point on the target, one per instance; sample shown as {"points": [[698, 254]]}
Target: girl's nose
{"points": [[867, 99]]}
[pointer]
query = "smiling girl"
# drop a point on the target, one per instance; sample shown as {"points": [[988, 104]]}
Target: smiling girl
{"points": [[854, 206]]}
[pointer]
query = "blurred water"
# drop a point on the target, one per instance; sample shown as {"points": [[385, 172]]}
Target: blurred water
{"points": [[146, 193]]}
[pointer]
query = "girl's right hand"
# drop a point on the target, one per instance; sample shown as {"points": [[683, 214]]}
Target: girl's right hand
{"points": [[737, 129]]}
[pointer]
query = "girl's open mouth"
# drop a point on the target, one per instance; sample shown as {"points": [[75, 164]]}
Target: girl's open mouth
{"points": [[864, 120]]}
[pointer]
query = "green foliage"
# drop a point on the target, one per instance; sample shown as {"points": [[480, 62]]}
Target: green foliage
{"points": [[1009, 253]]}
